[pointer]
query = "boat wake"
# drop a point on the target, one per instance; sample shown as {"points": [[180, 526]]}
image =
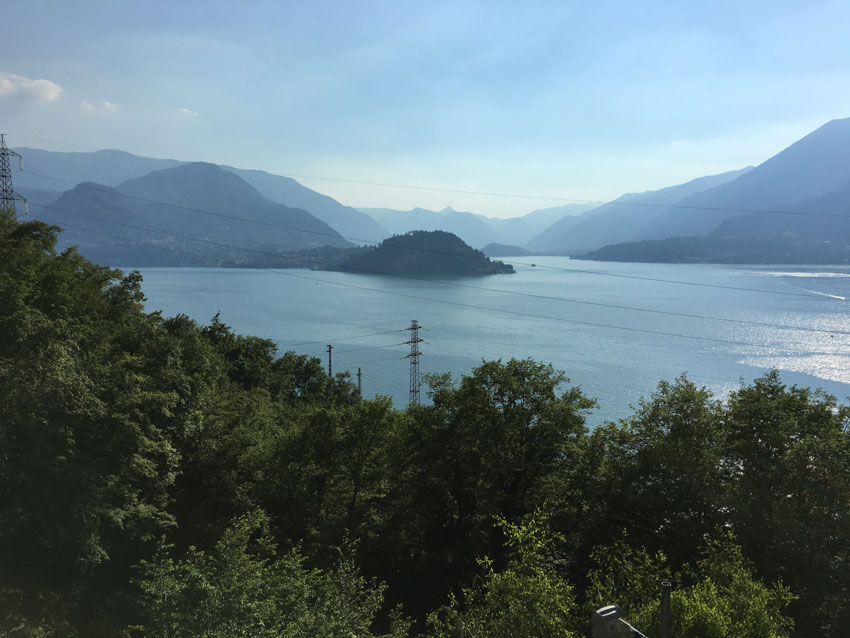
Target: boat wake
{"points": [[822, 294]]}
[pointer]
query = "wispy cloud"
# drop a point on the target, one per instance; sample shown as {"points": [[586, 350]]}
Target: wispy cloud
{"points": [[18, 85], [102, 107], [188, 112]]}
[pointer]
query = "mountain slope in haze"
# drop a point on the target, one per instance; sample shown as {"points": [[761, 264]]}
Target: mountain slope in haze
{"points": [[36, 196], [823, 218], [505, 250], [520, 230], [471, 228], [350, 222], [241, 217], [108, 167], [815, 165], [621, 219], [113, 167], [818, 234]]}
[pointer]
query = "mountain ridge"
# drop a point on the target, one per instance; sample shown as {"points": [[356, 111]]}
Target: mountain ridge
{"points": [[205, 203], [470, 227], [814, 165], [352, 224], [622, 217]]}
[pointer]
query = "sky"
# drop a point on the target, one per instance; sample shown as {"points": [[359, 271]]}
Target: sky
{"points": [[548, 101]]}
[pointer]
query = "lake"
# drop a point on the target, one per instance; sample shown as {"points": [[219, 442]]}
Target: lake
{"points": [[614, 351]]}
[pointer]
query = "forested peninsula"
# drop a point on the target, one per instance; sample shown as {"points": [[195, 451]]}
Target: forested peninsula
{"points": [[159, 477]]}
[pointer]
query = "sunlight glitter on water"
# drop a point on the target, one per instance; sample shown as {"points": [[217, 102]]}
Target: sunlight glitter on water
{"points": [[823, 366]]}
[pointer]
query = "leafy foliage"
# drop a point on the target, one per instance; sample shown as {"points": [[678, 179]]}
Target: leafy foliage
{"points": [[128, 439], [243, 588], [718, 597], [527, 598]]}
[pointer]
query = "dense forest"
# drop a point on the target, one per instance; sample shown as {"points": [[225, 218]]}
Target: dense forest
{"points": [[164, 478]]}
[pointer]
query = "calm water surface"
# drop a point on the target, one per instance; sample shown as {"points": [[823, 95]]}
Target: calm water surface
{"points": [[486, 319]]}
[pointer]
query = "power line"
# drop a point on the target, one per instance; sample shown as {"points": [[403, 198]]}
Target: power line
{"points": [[389, 243], [386, 345], [65, 144], [600, 202], [666, 281], [307, 343], [471, 286], [432, 251], [106, 189], [563, 199], [466, 305]]}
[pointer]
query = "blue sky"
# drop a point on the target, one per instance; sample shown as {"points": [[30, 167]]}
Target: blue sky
{"points": [[583, 100]]}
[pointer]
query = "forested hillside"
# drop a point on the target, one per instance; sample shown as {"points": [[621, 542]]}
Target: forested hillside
{"points": [[164, 478]]}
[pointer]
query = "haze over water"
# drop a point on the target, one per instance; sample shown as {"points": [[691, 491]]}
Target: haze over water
{"points": [[304, 311]]}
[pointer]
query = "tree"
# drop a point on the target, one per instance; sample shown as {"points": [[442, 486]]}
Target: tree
{"points": [[320, 471], [788, 464], [659, 472], [244, 588], [526, 598], [85, 421], [717, 597], [490, 446]]}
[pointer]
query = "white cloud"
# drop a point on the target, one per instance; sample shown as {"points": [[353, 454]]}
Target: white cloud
{"points": [[103, 107], [188, 112], [40, 90]]}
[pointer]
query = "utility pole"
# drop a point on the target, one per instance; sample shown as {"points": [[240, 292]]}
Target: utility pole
{"points": [[359, 383], [8, 196], [666, 586], [414, 342], [330, 366]]}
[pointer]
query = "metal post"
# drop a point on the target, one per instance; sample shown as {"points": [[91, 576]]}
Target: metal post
{"points": [[330, 365], [359, 382], [666, 586]]}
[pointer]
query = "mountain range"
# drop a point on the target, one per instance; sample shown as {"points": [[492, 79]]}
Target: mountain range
{"points": [[48, 174], [473, 229], [814, 166], [790, 208], [621, 219], [351, 223], [476, 230], [210, 202]]}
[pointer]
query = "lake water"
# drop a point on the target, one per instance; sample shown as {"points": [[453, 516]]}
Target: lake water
{"points": [[504, 316]]}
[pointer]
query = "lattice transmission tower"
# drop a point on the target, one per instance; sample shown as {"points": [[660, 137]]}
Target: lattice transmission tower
{"points": [[8, 196], [414, 342]]}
